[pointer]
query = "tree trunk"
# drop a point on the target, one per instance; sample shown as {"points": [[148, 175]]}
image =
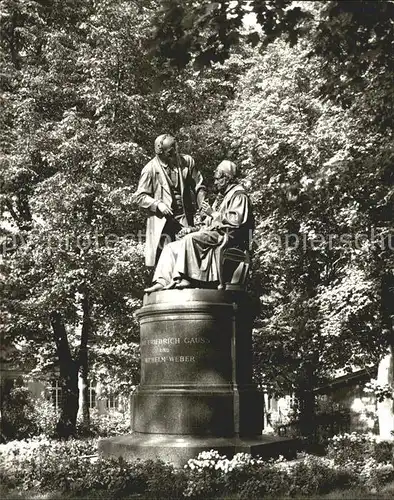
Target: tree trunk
{"points": [[83, 361], [306, 404], [6, 386], [68, 380]]}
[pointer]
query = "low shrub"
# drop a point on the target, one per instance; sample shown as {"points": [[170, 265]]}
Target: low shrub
{"points": [[25, 417], [315, 475], [384, 451], [355, 447], [68, 466], [205, 474], [42, 463], [161, 480], [257, 481], [19, 415], [213, 475], [109, 424], [45, 416], [373, 475], [73, 467]]}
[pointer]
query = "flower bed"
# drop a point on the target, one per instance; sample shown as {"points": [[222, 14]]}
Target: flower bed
{"points": [[358, 448], [73, 468]]}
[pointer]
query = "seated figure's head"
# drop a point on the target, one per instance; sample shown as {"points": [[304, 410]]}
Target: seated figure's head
{"points": [[166, 148], [225, 174]]}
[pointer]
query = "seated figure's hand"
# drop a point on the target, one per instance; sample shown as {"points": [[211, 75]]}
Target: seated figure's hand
{"points": [[164, 209], [206, 208], [184, 231], [199, 221]]}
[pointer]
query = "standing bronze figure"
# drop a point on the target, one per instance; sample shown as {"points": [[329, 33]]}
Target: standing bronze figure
{"points": [[170, 189]]}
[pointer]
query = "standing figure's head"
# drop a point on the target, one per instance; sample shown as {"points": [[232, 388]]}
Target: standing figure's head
{"points": [[166, 148], [225, 174]]}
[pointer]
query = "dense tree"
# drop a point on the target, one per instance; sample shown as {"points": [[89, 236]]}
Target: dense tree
{"points": [[205, 32], [70, 158], [322, 170], [84, 101]]}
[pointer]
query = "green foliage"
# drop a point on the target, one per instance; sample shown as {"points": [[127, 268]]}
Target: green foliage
{"points": [[71, 241], [380, 391], [355, 39], [310, 122], [109, 424], [206, 32], [317, 266], [46, 416], [18, 415], [24, 416], [212, 475], [358, 448], [311, 126], [69, 468], [84, 102], [46, 465], [266, 482], [246, 477], [312, 476]]}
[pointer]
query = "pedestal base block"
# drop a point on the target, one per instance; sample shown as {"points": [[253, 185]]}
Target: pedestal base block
{"points": [[178, 449]]}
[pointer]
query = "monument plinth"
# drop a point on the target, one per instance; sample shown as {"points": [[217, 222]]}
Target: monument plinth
{"points": [[196, 391]]}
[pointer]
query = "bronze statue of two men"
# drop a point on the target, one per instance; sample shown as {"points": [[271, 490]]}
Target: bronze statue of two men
{"points": [[172, 191]]}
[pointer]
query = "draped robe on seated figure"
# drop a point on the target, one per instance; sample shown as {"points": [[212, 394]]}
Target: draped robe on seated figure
{"points": [[196, 255]]}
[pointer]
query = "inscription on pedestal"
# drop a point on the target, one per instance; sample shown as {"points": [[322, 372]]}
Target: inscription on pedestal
{"points": [[150, 348], [174, 353], [170, 359]]}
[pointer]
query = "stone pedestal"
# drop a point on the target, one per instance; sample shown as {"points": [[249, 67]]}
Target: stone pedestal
{"points": [[196, 391]]}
